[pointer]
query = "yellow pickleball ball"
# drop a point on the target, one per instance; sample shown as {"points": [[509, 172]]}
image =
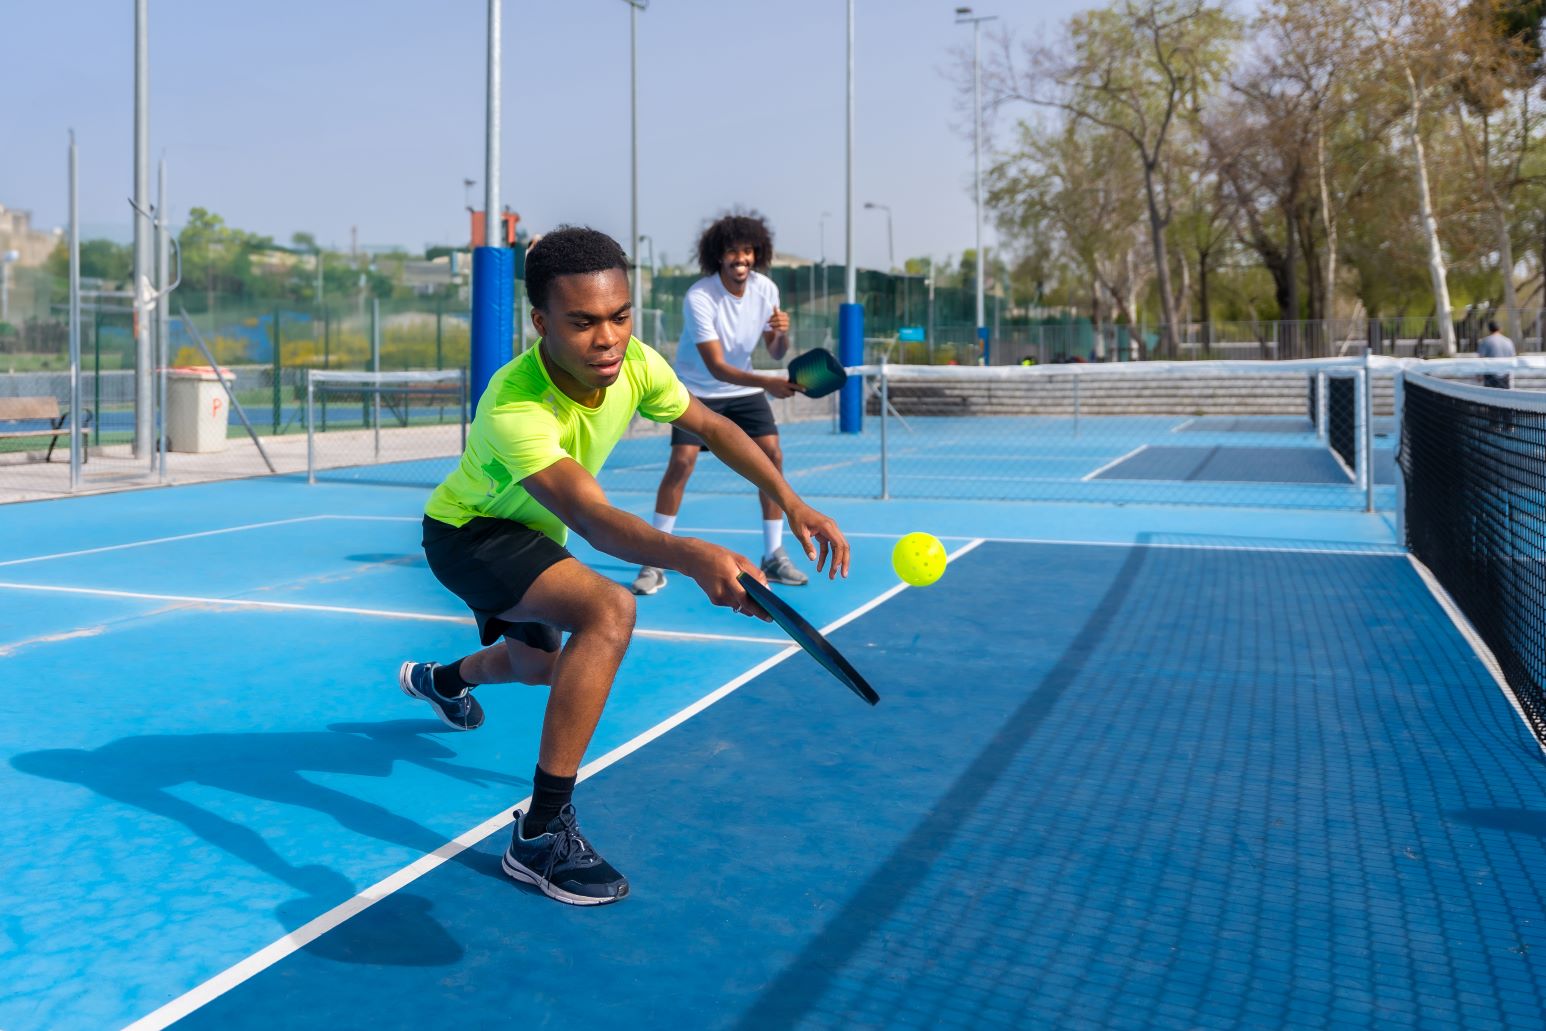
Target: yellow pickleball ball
{"points": [[919, 559]]}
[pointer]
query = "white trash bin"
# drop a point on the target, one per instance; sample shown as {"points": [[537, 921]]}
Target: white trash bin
{"points": [[197, 410]]}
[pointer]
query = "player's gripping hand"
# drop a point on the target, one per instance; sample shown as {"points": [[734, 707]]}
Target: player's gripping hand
{"points": [[717, 571], [780, 386]]}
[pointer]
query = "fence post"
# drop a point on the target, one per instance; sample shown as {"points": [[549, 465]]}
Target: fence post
{"points": [[311, 466], [885, 403], [278, 371], [96, 378], [327, 339], [439, 347]]}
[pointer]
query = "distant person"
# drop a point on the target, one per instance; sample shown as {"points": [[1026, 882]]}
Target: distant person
{"points": [[725, 315], [1496, 345]]}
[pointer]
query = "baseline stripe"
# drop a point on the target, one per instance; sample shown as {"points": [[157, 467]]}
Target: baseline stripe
{"points": [[292, 606]]}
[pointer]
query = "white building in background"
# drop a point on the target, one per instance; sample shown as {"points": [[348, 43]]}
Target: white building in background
{"points": [[17, 234]]}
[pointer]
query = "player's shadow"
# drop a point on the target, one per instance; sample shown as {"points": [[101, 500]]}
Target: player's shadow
{"points": [[1514, 821], [144, 771]]}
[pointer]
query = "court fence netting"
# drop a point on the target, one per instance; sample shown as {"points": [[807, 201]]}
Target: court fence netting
{"points": [[404, 428]]}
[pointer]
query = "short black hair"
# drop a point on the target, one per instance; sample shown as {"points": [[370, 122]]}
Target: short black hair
{"points": [[569, 251], [735, 230], [1492, 327]]}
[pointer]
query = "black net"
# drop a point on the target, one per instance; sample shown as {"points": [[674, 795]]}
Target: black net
{"points": [[1342, 418], [1475, 467]]}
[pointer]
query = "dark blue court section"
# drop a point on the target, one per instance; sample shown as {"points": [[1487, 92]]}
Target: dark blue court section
{"points": [[1248, 424], [1106, 787], [1230, 465]]}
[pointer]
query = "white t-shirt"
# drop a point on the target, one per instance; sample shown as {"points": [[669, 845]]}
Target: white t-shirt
{"points": [[710, 312]]}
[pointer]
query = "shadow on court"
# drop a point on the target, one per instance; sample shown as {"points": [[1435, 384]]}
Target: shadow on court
{"points": [[790, 999], [143, 771]]}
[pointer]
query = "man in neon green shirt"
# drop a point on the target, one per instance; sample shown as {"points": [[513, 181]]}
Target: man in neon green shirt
{"points": [[494, 534]]}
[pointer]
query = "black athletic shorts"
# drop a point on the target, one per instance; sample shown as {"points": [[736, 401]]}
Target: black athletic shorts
{"points": [[490, 564], [751, 412]]}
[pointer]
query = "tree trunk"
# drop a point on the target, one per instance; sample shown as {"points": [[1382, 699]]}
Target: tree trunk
{"points": [[1430, 222], [1161, 265], [1184, 312], [1204, 312], [1329, 226], [1289, 316], [1510, 298]]}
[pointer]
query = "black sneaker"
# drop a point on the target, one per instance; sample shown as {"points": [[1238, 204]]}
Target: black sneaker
{"points": [[417, 679], [562, 864]]}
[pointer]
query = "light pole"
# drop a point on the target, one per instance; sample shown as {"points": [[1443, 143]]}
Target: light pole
{"points": [[964, 16], [890, 251], [634, 7], [850, 316]]}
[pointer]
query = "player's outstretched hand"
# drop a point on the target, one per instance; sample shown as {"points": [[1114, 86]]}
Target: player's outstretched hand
{"points": [[811, 528], [717, 572]]}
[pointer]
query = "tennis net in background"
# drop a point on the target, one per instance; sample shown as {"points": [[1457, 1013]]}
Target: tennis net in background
{"points": [[388, 428], [1474, 462]]}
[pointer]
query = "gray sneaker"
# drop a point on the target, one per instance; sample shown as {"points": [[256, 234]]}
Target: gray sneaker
{"points": [[649, 580], [780, 570]]}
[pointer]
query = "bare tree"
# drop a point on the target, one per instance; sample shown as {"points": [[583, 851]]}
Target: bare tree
{"points": [[1414, 42], [1132, 69]]}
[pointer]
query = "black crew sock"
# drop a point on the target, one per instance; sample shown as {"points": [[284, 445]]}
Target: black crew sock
{"points": [[448, 679], [549, 794]]}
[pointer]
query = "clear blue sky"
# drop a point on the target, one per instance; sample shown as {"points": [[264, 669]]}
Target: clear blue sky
{"points": [[317, 116]]}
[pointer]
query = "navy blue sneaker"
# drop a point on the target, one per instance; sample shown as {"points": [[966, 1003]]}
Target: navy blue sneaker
{"points": [[417, 679], [562, 864]]}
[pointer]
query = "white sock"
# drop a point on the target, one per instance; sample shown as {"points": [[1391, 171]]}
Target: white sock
{"points": [[665, 523], [772, 536]]}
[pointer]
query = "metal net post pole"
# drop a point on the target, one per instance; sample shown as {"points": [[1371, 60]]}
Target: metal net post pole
{"points": [[311, 457], [1368, 432]]}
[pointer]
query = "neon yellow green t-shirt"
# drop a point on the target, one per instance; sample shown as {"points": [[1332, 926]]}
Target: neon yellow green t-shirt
{"points": [[524, 424]]}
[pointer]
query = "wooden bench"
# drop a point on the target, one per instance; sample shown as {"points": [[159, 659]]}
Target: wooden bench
{"points": [[17, 412]]}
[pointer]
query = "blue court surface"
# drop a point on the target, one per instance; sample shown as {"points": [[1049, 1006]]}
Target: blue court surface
{"points": [[1140, 766]]}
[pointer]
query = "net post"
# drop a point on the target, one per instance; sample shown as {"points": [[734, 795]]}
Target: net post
{"points": [[1368, 431], [885, 403], [1321, 406], [1076, 405], [311, 456], [1360, 427], [1400, 413]]}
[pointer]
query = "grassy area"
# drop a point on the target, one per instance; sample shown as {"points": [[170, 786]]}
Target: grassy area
{"points": [[60, 362]]}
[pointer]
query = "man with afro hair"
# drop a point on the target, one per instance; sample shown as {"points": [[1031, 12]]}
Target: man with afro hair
{"points": [[495, 529], [725, 315]]}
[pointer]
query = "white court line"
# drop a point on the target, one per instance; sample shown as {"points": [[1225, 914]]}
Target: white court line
{"points": [[166, 540], [1115, 461], [1467, 631], [1388, 550], [1184, 425], [307, 933], [292, 606]]}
